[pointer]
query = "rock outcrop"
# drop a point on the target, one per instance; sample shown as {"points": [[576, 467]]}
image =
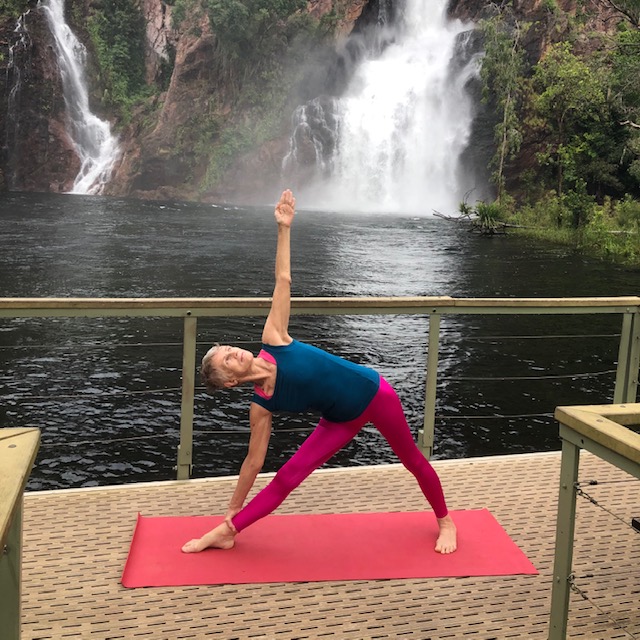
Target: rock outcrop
{"points": [[166, 147], [160, 161], [167, 160], [37, 154]]}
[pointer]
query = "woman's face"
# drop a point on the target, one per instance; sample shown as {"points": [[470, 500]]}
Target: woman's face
{"points": [[233, 362]]}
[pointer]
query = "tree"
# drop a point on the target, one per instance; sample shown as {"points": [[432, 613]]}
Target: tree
{"points": [[502, 74], [117, 30], [625, 98], [569, 109], [253, 33], [630, 9]]}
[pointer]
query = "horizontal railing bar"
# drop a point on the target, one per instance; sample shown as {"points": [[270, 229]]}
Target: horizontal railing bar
{"points": [[207, 307]]}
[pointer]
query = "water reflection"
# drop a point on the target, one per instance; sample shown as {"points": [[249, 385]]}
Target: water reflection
{"points": [[105, 392]]}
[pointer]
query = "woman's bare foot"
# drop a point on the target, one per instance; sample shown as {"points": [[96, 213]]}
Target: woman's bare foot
{"points": [[222, 537], [447, 539]]}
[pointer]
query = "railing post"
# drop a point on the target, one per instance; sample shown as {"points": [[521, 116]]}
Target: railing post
{"points": [[566, 522], [185, 448], [426, 434], [626, 388], [10, 577]]}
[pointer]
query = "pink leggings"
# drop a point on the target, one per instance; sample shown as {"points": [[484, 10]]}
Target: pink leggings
{"points": [[385, 412]]}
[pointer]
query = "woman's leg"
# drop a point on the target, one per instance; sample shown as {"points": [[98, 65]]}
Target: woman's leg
{"points": [[386, 413], [324, 442]]}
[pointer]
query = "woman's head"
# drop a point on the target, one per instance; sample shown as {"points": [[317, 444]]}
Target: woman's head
{"points": [[224, 366], [212, 376]]}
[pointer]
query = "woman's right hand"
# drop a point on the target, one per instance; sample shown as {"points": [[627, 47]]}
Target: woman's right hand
{"points": [[285, 209], [231, 513]]}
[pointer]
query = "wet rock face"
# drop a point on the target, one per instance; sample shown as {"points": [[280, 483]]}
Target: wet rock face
{"points": [[160, 161], [159, 157], [160, 37], [36, 152], [151, 167]]}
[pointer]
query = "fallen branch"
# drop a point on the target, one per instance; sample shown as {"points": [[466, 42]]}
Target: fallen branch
{"points": [[482, 227]]}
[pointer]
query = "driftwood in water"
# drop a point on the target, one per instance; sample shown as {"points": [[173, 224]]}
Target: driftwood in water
{"points": [[485, 227]]}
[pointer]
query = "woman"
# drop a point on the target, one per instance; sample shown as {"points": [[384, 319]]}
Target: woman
{"points": [[291, 376]]}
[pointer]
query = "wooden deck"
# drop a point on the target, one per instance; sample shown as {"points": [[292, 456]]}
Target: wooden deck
{"points": [[76, 543]]}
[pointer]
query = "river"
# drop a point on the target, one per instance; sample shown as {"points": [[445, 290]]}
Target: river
{"points": [[105, 392]]}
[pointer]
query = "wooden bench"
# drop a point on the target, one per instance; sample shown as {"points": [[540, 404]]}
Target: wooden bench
{"points": [[18, 448]]}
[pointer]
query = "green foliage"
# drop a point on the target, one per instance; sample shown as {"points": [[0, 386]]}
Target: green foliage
{"points": [[489, 216], [624, 63], [262, 45], [551, 6], [601, 237], [610, 231], [568, 91], [579, 204], [627, 214], [579, 117], [629, 9], [502, 74], [253, 34], [181, 9], [12, 8], [568, 104], [117, 31], [240, 138]]}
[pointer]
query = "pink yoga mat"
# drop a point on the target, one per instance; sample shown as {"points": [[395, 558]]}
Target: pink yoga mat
{"points": [[311, 548]]}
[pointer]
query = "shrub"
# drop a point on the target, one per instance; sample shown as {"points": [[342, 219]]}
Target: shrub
{"points": [[627, 214]]}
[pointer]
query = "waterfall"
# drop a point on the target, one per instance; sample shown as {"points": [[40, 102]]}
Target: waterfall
{"points": [[394, 139], [91, 136]]}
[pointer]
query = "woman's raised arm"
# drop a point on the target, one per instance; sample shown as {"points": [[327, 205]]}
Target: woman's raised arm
{"points": [[276, 328]]}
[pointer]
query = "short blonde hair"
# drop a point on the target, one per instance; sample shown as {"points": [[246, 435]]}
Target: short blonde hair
{"points": [[212, 378]]}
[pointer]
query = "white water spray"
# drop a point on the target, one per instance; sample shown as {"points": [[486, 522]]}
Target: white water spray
{"points": [[402, 124], [91, 136]]}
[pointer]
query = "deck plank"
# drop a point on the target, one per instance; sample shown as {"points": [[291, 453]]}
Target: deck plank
{"points": [[76, 543]]}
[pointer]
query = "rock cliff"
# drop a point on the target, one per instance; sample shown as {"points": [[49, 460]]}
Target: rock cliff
{"points": [[37, 154], [169, 159], [169, 141]]}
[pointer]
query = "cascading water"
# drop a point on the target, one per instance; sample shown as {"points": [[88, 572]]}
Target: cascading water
{"points": [[394, 139], [91, 136]]}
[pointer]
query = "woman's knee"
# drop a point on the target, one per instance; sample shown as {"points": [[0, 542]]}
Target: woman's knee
{"points": [[290, 476], [416, 463]]}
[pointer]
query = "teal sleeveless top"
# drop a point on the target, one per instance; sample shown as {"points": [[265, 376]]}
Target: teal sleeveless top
{"points": [[310, 379]]}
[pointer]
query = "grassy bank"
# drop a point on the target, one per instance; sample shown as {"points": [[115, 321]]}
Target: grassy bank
{"points": [[609, 231]]}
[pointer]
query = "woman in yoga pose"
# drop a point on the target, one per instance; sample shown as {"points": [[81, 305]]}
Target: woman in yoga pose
{"points": [[292, 376]]}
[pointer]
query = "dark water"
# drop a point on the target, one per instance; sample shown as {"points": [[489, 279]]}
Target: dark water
{"points": [[105, 392]]}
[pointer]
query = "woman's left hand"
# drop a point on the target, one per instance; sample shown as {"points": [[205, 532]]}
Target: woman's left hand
{"points": [[285, 209]]}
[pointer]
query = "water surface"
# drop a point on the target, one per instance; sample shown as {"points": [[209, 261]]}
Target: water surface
{"points": [[105, 392]]}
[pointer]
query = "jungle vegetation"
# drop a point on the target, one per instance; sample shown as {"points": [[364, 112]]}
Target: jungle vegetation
{"points": [[566, 165]]}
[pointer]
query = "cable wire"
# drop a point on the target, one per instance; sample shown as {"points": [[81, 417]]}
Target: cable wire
{"points": [[571, 335], [495, 417], [572, 376], [77, 443], [592, 500], [574, 587]]}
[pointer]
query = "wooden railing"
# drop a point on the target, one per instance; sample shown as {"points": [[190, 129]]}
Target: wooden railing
{"points": [[602, 430], [190, 309]]}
